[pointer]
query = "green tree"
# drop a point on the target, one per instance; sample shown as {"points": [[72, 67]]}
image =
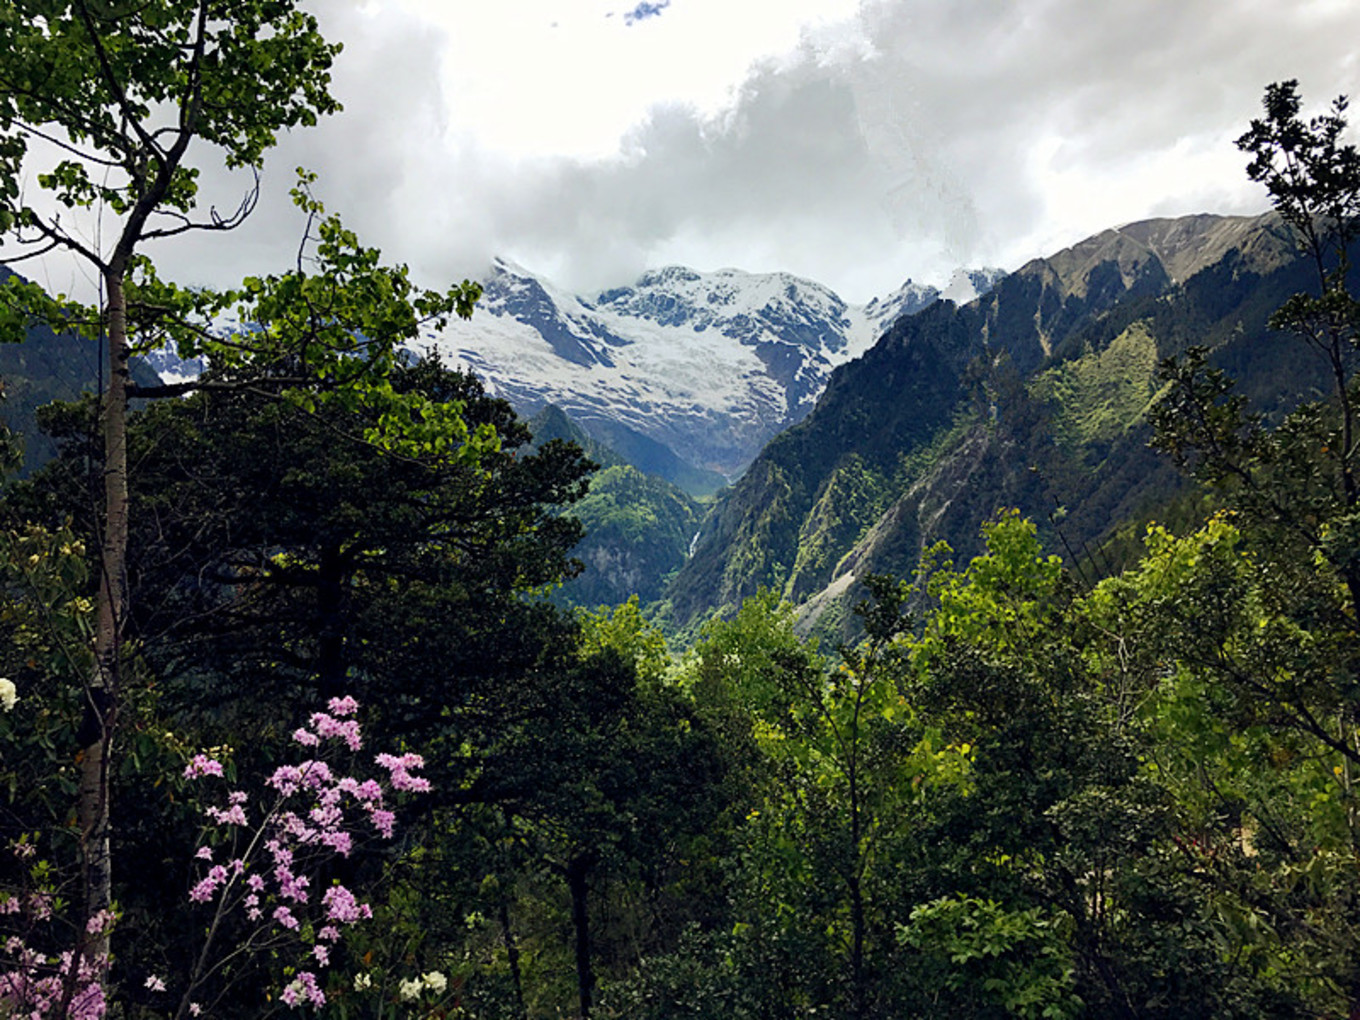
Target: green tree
{"points": [[1254, 614], [833, 753], [1049, 876], [126, 88], [105, 103], [1294, 485]]}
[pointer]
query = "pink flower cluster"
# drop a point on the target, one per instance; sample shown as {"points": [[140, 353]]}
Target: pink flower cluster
{"points": [[275, 888], [202, 765], [400, 775], [35, 985]]}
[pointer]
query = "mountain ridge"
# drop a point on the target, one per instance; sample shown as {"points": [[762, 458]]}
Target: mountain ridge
{"points": [[1032, 395], [711, 365]]}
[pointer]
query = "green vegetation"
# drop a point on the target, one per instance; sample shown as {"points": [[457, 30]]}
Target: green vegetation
{"points": [[638, 531], [1103, 393]]}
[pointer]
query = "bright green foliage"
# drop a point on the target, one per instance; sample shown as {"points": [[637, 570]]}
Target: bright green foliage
{"points": [[1020, 961], [1238, 697], [332, 330], [1102, 393], [1055, 815], [1003, 602], [847, 503], [626, 632]]}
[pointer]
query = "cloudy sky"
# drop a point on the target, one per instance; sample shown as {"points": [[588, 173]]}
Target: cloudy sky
{"points": [[856, 142]]}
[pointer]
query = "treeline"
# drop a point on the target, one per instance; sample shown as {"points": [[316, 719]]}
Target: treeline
{"points": [[1035, 799]]}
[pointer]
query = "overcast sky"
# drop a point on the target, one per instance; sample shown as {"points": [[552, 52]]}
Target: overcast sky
{"points": [[856, 142]]}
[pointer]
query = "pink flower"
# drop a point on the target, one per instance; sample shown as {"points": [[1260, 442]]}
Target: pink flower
{"points": [[328, 817], [341, 842], [304, 986], [383, 821], [202, 765], [204, 890], [39, 906], [285, 917], [101, 921], [315, 773], [343, 907], [343, 706], [400, 768], [330, 727], [234, 815], [292, 887], [286, 779]]}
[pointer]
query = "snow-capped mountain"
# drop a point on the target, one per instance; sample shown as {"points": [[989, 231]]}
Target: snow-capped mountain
{"points": [[710, 365]]}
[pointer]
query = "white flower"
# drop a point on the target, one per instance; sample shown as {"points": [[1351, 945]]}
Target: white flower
{"points": [[436, 982], [362, 981], [8, 695], [409, 991]]}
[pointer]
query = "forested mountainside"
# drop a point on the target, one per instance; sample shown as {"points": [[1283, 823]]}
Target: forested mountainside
{"points": [[1031, 396], [638, 527], [47, 366]]}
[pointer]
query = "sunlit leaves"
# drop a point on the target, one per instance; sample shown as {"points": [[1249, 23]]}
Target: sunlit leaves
{"points": [[127, 84]]}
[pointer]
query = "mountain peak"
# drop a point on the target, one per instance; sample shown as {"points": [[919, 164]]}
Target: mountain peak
{"points": [[710, 364]]}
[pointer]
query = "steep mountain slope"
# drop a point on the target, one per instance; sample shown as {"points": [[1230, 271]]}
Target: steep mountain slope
{"points": [[638, 530], [638, 526], [708, 366], [1030, 396], [48, 366]]}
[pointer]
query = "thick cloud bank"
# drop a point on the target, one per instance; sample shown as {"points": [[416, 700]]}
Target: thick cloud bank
{"points": [[903, 140]]}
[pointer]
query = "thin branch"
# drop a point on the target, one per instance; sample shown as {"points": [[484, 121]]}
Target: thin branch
{"points": [[216, 222], [55, 234], [10, 260], [81, 154], [115, 86]]}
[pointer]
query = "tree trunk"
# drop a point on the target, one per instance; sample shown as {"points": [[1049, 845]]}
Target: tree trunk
{"points": [[101, 705], [577, 870], [512, 955], [856, 888]]}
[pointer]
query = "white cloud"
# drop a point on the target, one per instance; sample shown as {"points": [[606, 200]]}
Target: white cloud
{"points": [[854, 141]]}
